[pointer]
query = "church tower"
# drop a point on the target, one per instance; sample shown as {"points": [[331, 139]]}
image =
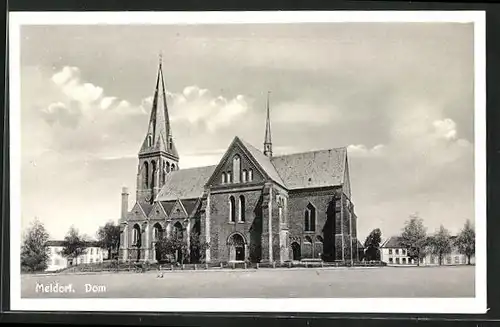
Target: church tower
{"points": [[268, 145], [158, 155]]}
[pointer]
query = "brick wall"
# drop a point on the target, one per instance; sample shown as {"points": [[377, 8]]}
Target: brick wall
{"points": [[221, 228]]}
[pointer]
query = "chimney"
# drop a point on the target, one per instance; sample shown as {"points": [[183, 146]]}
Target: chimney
{"points": [[124, 203]]}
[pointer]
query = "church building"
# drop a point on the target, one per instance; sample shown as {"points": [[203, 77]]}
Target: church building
{"points": [[251, 206]]}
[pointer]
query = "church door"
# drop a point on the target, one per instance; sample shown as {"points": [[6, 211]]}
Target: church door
{"points": [[240, 253], [296, 251]]}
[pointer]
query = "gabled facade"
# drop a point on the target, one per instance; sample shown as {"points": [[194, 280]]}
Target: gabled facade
{"points": [[251, 206]]}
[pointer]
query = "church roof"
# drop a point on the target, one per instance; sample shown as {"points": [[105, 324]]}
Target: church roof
{"points": [[264, 161], [295, 171], [185, 183], [312, 169], [159, 128]]}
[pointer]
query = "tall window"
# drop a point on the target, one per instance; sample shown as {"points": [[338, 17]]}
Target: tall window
{"points": [[223, 178], [250, 175], [146, 174], [157, 231], [280, 214], [172, 168], [170, 143], [229, 177], [153, 173], [310, 218], [244, 176], [150, 140], [241, 209], [236, 168], [232, 209], [136, 235]]}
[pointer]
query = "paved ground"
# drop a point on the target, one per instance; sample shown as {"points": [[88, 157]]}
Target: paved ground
{"points": [[326, 282]]}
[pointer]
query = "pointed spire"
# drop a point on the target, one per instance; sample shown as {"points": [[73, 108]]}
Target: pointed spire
{"points": [[159, 137], [268, 145]]}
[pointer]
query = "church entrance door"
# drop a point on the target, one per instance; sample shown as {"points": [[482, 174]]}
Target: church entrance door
{"points": [[236, 248], [240, 253], [296, 251]]}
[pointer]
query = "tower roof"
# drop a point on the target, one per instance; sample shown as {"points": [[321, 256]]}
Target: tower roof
{"points": [[268, 145], [159, 136]]}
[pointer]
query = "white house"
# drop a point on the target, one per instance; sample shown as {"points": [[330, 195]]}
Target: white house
{"points": [[394, 254], [93, 254]]}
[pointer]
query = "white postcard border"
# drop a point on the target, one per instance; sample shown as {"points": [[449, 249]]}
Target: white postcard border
{"points": [[364, 305]]}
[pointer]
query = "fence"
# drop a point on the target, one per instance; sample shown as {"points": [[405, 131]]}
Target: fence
{"points": [[144, 266]]}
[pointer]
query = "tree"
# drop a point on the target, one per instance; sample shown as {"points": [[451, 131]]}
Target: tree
{"points": [[440, 243], [198, 248], [414, 238], [171, 249], [34, 250], [108, 237], [73, 244], [466, 241], [372, 245]]}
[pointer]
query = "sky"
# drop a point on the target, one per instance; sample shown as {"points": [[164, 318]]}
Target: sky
{"points": [[399, 96]]}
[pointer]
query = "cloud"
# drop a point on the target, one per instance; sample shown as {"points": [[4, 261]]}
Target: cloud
{"points": [[196, 105], [66, 116], [446, 128]]}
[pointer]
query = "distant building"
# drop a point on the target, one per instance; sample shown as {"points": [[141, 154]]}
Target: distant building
{"points": [[93, 254], [393, 253]]}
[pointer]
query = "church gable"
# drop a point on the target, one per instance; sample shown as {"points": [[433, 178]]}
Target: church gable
{"points": [[178, 211], [237, 166], [157, 212], [137, 213]]}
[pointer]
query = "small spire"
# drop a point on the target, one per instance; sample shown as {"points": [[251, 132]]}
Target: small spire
{"points": [[268, 146], [160, 58]]}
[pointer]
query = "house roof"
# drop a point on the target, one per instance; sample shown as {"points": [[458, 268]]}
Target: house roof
{"points": [[392, 242], [312, 169], [185, 184]]}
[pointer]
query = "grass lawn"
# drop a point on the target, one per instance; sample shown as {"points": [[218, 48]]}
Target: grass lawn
{"points": [[299, 283]]}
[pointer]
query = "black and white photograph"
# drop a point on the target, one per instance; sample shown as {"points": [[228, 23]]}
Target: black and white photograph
{"points": [[248, 161]]}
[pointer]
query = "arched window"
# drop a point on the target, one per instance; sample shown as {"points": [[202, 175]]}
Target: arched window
{"points": [[153, 173], [310, 218], [178, 231], [280, 214], [241, 209], [164, 173], [167, 166], [229, 177], [172, 168], [150, 140], [307, 239], [250, 175], [224, 178], [319, 239], [136, 235], [146, 174], [236, 168], [232, 209], [170, 143], [157, 232], [244, 176]]}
